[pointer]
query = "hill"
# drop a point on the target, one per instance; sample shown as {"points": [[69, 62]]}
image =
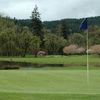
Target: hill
{"points": [[73, 24]]}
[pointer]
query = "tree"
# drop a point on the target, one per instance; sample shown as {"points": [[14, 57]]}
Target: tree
{"points": [[7, 37], [77, 39], [15, 40], [36, 45], [94, 35], [64, 29], [54, 44], [37, 23], [26, 42], [7, 43]]}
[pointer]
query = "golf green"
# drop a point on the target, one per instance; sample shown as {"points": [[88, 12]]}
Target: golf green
{"points": [[49, 85]]}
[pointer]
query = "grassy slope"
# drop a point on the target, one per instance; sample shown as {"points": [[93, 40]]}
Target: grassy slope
{"points": [[55, 60], [49, 85]]}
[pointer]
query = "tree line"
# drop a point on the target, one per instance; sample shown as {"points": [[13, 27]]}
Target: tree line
{"points": [[24, 37]]}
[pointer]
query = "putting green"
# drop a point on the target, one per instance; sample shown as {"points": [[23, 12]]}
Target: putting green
{"points": [[49, 84]]}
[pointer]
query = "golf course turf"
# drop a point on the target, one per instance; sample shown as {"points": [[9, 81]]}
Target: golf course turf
{"points": [[49, 85], [74, 59]]}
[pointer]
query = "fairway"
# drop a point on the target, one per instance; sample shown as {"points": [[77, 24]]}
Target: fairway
{"points": [[72, 59], [49, 85]]}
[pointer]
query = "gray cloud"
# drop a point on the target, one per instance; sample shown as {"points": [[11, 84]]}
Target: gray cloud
{"points": [[51, 9]]}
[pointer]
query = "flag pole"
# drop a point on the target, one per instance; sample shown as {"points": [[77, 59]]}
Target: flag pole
{"points": [[87, 57], [84, 26]]}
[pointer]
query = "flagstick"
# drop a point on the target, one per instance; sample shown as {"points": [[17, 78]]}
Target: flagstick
{"points": [[87, 57], [84, 26]]}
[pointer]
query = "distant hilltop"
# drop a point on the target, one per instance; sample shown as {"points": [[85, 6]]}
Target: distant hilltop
{"points": [[73, 24]]}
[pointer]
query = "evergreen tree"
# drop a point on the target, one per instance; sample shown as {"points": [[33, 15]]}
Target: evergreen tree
{"points": [[37, 23], [64, 29]]}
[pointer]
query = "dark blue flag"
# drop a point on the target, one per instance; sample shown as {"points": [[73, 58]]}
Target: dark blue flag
{"points": [[84, 25]]}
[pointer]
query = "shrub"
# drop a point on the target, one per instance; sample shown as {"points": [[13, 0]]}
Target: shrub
{"points": [[95, 49], [71, 49], [80, 50]]}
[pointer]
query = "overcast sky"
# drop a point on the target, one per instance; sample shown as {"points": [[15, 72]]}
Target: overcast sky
{"points": [[51, 9]]}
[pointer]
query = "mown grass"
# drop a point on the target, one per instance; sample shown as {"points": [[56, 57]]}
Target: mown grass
{"points": [[23, 96], [76, 59], [57, 83], [49, 85], [62, 68]]}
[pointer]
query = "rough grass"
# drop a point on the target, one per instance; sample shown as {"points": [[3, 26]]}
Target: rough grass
{"points": [[49, 85]]}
